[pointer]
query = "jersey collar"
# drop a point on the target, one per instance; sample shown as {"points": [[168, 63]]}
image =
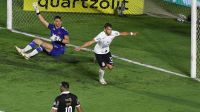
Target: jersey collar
{"points": [[65, 92], [57, 28]]}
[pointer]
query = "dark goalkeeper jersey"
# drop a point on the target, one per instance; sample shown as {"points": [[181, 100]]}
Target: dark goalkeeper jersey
{"points": [[66, 102], [61, 32]]}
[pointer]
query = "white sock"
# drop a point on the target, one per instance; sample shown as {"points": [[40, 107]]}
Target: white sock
{"points": [[33, 53], [27, 48], [101, 73]]}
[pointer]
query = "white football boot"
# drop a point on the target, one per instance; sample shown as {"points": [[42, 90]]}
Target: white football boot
{"points": [[102, 81], [26, 56], [19, 50]]}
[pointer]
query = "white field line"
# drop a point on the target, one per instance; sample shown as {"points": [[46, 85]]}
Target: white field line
{"points": [[2, 28], [115, 56]]}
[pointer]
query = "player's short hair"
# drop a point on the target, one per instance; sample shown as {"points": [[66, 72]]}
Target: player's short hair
{"points": [[107, 25], [57, 17], [64, 84]]}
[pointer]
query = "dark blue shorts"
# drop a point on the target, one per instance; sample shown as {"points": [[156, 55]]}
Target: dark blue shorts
{"points": [[57, 51]]}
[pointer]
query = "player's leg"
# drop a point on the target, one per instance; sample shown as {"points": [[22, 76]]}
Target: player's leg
{"points": [[42, 46], [99, 58], [109, 66], [47, 46], [109, 61], [101, 75], [106, 62], [30, 46]]}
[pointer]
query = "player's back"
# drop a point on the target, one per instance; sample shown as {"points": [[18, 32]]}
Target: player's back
{"points": [[66, 102]]}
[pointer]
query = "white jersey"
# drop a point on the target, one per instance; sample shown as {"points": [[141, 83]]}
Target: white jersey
{"points": [[104, 41]]}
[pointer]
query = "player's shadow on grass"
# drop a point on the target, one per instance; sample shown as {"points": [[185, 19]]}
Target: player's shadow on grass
{"points": [[84, 68], [66, 59], [83, 65]]}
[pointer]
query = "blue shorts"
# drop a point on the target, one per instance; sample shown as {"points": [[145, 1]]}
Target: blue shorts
{"points": [[57, 51]]}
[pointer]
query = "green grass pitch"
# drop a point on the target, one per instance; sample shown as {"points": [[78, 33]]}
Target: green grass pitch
{"points": [[31, 86]]}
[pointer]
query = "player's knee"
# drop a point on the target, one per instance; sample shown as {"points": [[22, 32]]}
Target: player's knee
{"points": [[103, 68], [38, 41], [48, 47], [44, 44], [110, 67]]}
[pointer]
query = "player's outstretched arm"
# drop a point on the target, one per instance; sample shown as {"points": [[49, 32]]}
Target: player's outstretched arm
{"points": [[43, 21], [41, 18], [89, 43], [128, 33]]}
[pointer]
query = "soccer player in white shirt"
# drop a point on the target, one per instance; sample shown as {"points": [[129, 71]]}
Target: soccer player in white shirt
{"points": [[102, 50]]}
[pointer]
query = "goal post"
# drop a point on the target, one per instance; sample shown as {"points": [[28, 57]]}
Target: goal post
{"points": [[194, 39], [9, 14]]}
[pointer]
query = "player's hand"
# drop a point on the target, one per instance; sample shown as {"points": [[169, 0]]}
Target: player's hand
{"points": [[35, 6], [134, 33], [55, 38], [77, 49]]}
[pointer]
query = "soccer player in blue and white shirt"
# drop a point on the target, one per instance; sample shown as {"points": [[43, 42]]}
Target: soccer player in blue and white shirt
{"points": [[59, 37], [102, 50]]}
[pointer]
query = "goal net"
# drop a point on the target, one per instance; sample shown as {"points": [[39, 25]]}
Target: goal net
{"points": [[24, 17]]}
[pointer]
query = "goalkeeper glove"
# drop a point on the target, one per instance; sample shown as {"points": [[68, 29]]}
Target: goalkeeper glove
{"points": [[35, 6], [55, 38]]}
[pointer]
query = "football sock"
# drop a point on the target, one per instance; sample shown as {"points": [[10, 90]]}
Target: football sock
{"points": [[29, 46], [101, 73], [36, 51]]}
